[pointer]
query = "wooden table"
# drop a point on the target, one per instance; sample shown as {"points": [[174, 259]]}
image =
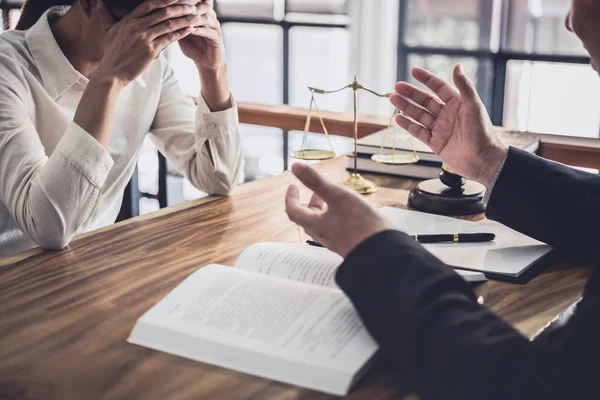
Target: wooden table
{"points": [[65, 316]]}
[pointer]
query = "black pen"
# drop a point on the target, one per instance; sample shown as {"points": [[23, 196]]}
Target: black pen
{"points": [[452, 237], [455, 238]]}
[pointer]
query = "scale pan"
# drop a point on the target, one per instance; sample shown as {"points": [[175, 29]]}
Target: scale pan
{"points": [[312, 155], [395, 158]]}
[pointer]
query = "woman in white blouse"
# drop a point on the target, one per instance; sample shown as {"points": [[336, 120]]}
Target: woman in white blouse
{"points": [[80, 88]]}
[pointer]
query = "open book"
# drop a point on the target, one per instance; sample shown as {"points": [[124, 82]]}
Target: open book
{"points": [[277, 314]]}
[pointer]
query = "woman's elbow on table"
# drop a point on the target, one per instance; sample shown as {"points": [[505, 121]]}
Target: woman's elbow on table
{"points": [[48, 231], [224, 183], [54, 242], [217, 178], [51, 221], [214, 183]]}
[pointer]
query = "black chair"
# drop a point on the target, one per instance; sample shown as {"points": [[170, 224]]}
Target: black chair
{"points": [[130, 207]]}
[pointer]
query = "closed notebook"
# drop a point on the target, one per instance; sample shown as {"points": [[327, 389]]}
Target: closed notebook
{"points": [[420, 170], [509, 257], [398, 138]]}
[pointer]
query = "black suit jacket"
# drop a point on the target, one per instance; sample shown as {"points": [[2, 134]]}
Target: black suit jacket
{"points": [[426, 318]]}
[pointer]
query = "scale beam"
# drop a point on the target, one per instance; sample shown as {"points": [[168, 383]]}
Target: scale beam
{"points": [[355, 181]]}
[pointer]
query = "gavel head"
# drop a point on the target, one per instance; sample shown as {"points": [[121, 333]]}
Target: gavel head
{"points": [[450, 179]]}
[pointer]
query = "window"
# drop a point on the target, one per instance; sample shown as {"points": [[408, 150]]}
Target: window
{"points": [[539, 27], [462, 24], [275, 49], [319, 57], [538, 98], [517, 52]]}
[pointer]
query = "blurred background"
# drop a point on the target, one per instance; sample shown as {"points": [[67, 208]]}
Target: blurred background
{"points": [[527, 67]]}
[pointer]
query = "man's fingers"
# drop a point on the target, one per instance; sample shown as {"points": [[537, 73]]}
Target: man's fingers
{"points": [[439, 86], [416, 130], [419, 96], [149, 6], [420, 115], [298, 213], [465, 86], [316, 182], [316, 202]]}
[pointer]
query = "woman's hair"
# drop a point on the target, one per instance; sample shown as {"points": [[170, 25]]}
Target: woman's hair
{"points": [[33, 10]]}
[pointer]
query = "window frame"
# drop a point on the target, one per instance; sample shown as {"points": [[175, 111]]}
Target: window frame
{"points": [[491, 88], [285, 26]]}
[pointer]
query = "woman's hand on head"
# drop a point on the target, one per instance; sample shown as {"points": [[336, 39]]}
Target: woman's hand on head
{"points": [[205, 44], [335, 217], [455, 126], [134, 42]]}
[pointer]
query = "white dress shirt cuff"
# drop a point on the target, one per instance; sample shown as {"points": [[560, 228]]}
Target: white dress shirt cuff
{"points": [[216, 124], [86, 154], [488, 193]]}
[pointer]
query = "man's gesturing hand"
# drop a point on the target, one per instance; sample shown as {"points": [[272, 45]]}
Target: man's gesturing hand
{"points": [[335, 217], [454, 123]]}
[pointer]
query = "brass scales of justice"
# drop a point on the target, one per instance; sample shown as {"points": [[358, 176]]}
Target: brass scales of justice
{"points": [[355, 181], [451, 194]]}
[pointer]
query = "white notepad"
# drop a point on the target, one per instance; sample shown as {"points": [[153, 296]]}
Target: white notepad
{"points": [[510, 255]]}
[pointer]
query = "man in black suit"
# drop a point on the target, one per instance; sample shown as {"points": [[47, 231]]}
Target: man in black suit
{"points": [[423, 315]]}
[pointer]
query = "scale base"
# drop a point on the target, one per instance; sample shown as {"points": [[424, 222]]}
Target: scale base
{"points": [[361, 185], [434, 197]]}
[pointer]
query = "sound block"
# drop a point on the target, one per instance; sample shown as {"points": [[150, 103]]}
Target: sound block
{"points": [[435, 197]]}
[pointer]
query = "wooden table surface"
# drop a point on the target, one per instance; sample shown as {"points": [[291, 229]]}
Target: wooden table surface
{"points": [[65, 316]]}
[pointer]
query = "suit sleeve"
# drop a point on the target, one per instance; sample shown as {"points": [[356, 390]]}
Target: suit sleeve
{"points": [[548, 201], [427, 321]]}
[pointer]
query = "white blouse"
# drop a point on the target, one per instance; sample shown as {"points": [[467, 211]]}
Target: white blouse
{"points": [[55, 179]]}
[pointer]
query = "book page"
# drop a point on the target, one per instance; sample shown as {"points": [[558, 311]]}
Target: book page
{"points": [[246, 321], [296, 262]]}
